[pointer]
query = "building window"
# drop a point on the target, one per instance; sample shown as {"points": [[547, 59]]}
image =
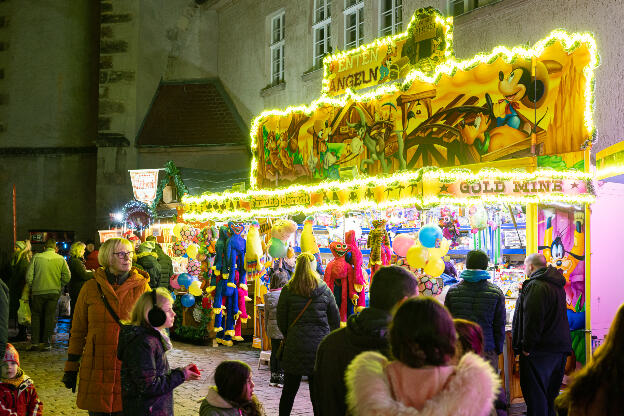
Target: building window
{"points": [[390, 17], [322, 30], [354, 23], [277, 48], [459, 7]]}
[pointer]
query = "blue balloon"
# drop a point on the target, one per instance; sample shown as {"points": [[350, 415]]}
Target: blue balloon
{"points": [[188, 300], [173, 295], [184, 280], [428, 236]]}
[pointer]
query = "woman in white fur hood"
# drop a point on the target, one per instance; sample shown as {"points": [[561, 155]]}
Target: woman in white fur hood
{"points": [[421, 381]]}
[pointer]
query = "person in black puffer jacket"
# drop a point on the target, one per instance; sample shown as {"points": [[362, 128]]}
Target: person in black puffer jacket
{"points": [[78, 271], [302, 339], [480, 301], [166, 266], [148, 260], [147, 383], [365, 331], [541, 334]]}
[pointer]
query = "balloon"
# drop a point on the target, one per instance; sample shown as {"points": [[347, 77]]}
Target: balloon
{"points": [[442, 250], [277, 249], [184, 280], [188, 300], [429, 235], [173, 295], [428, 286], [402, 243], [173, 282], [176, 229], [178, 248], [195, 288], [478, 217], [193, 267], [434, 267], [417, 256], [192, 250]]}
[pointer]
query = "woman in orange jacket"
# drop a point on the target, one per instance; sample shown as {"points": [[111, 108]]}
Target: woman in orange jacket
{"points": [[95, 331]]}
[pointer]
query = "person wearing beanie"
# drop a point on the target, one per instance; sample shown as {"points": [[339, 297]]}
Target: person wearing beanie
{"points": [[18, 395], [480, 301], [147, 258]]}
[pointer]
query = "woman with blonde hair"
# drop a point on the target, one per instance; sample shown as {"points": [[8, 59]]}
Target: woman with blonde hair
{"points": [[102, 302], [147, 382], [22, 255], [78, 270], [306, 313]]}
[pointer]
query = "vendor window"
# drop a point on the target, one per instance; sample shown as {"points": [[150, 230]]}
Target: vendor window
{"points": [[322, 31], [277, 48], [354, 23], [390, 17]]}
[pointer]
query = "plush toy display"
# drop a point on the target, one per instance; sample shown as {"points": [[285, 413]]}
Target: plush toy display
{"points": [[281, 231], [221, 273], [377, 238], [308, 244], [339, 270], [356, 260], [253, 251]]}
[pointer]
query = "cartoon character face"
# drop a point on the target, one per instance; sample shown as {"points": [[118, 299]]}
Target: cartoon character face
{"points": [[338, 249], [512, 87], [378, 223]]}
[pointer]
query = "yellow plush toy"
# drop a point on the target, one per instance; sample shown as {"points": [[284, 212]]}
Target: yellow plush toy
{"points": [[308, 241], [253, 250]]}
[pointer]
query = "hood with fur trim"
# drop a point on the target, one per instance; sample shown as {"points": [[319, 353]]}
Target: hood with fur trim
{"points": [[469, 391]]}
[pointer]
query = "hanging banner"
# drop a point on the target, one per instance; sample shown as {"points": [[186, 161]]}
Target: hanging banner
{"points": [[144, 184]]}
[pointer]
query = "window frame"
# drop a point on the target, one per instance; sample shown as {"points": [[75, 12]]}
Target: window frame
{"points": [[324, 24], [275, 45], [393, 13], [356, 9]]}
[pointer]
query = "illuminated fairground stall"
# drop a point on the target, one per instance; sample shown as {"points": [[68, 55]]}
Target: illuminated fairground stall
{"points": [[413, 157]]}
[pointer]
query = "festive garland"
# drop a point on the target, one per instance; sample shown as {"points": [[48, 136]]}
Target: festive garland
{"points": [[191, 332], [137, 206], [171, 172]]}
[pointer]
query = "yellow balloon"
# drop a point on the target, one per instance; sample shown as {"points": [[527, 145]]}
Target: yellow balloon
{"points": [[440, 251], [195, 288], [192, 250], [434, 267], [417, 256], [176, 229]]}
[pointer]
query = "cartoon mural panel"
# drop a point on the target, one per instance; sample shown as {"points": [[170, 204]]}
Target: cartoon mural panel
{"points": [[484, 113], [562, 241]]}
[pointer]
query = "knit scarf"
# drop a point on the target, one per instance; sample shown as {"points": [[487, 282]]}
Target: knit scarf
{"points": [[15, 381], [474, 275]]}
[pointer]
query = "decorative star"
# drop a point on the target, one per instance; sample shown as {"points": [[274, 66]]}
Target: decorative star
{"points": [[574, 185], [444, 188]]}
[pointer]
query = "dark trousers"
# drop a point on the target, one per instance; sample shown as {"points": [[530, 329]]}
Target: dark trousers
{"points": [[289, 391], [276, 366], [541, 374], [43, 319]]}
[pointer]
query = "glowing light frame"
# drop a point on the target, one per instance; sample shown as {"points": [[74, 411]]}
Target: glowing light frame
{"points": [[570, 42]]}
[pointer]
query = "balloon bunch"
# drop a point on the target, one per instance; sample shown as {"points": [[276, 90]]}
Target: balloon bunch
{"points": [[427, 253], [185, 281], [478, 217]]}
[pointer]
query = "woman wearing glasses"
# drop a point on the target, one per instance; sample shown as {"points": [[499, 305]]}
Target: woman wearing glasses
{"points": [[95, 330]]}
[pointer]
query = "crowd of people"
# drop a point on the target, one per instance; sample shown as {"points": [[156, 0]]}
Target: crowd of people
{"points": [[404, 354]]}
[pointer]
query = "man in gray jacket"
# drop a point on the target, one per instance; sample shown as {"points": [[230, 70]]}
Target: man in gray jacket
{"points": [[47, 274]]}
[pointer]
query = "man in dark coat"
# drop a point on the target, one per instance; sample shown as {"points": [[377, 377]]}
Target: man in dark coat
{"points": [[480, 301], [166, 266], [148, 260], [364, 332], [541, 335]]}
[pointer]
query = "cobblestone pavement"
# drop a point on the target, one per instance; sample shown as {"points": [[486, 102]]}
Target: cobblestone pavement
{"points": [[46, 370]]}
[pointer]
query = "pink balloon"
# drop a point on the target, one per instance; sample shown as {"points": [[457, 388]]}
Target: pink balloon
{"points": [[402, 243], [173, 282]]}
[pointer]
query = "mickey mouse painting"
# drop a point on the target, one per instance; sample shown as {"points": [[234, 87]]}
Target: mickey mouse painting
{"points": [[519, 87]]}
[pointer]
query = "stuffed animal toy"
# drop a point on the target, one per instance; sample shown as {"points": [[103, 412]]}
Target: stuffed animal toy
{"points": [[309, 245], [354, 257], [253, 251], [221, 273], [339, 270], [281, 231], [377, 237]]}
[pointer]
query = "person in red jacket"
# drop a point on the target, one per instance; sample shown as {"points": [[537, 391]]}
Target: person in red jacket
{"points": [[91, 256], [18, 395]]}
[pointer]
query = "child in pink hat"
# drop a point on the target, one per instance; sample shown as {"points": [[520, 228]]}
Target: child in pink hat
{"points": [[18, 395]]}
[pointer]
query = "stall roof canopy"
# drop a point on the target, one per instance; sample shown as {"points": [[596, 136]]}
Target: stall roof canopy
{"points": [[199, 181], [192, 114]]}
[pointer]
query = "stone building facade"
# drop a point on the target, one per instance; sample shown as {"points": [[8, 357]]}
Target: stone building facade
{"points": [[88, 118]]}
